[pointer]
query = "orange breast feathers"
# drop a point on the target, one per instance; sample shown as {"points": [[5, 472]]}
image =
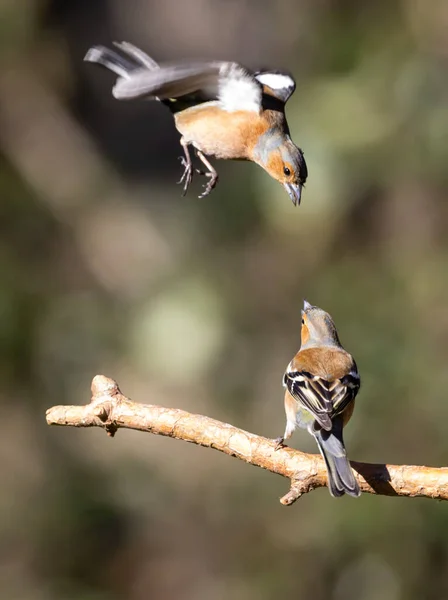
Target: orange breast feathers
{"points": [[227, 135]]}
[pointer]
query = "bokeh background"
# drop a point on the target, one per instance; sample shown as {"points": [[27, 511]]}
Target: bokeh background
{"points": [[195, 304]]}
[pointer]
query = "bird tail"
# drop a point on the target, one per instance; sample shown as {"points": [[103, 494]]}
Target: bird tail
{"points": [[123, 67], [340, 475]]}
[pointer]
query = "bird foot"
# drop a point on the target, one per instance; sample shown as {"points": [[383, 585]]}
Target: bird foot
{"points": [[187, 175], [279, 443], [213, 176]]}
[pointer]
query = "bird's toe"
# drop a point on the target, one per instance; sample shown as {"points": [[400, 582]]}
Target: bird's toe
{"points": [[279, 443], [210, 185]]}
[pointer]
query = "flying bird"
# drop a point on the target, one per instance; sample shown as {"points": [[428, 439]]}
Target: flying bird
{"points": [[221, 109]]}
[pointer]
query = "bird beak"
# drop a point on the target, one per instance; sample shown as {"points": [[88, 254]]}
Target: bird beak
{"points": [[306, 306], [295, 192]]}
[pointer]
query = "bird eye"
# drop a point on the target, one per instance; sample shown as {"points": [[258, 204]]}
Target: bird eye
{"points": [[303, 321], [286, 171]]}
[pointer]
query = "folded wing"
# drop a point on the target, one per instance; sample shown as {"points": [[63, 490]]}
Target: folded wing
{"points": [[324, 399]]}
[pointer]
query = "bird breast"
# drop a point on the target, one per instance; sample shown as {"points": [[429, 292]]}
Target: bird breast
{"points": [[216, 132]]}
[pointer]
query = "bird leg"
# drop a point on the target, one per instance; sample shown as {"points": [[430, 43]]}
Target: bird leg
{"points": [[187, 175], [211, 173]]}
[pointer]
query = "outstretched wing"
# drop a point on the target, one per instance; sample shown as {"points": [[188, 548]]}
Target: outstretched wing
{"points": [[230, 84], [169, 81]]}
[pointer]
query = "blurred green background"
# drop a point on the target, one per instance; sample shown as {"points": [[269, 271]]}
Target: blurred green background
{"points": [[195, 304]]}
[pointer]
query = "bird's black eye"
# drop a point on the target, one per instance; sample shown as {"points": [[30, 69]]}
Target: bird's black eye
{"points": [[303, 321], [286, 171]]}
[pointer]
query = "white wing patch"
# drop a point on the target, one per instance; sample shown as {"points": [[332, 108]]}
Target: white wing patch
{"points": [[276, 81], [282, 85], [238, 90]]}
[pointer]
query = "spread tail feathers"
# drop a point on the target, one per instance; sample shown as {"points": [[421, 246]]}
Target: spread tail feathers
{"points": [[113, 61], [340, 475]]}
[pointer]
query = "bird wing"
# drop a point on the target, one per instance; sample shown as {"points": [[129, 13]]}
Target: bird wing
{"points": [[228, 83], [233, 86], [169, 81], [279, 84], [323, 398], [239, 89]]}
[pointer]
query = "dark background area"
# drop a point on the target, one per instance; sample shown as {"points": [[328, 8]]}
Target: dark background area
{"points": [[195, 304]]}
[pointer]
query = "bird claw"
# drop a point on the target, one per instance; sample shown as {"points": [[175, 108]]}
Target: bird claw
{"points": [[279, 443], [187, 175], [210, 185]]}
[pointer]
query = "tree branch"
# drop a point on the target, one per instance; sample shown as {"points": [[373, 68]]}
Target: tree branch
{"points": [[111, 410]]}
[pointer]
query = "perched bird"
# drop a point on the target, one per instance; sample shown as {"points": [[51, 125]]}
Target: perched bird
{"points": [[220, 108], [321, 383]]}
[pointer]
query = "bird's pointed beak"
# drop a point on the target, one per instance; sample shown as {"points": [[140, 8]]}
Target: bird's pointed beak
{"points": [[306, 306], [295, 192]]}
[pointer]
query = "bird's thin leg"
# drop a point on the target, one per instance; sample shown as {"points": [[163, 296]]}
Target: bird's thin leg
{"points": [[187, 175], [289, 430], [211, 174]]}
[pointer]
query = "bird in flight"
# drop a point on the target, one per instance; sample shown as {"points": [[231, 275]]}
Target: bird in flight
{"points": [[221, 109]]}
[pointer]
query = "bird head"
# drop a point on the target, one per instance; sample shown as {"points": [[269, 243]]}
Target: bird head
{"points": [[285, 162], [318, 328]]}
